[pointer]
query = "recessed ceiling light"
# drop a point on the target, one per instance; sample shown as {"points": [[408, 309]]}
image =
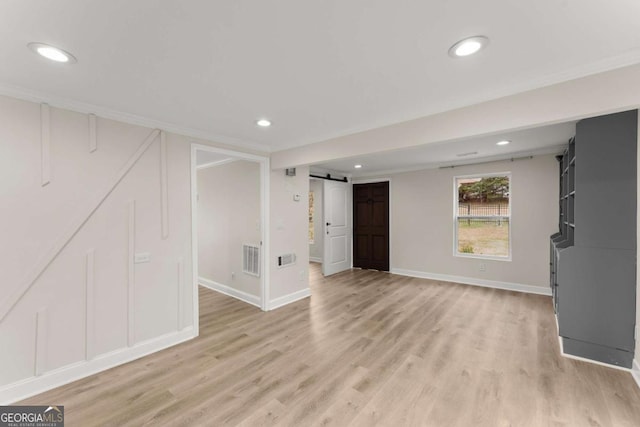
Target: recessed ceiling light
{"points": [[504, 142], [357, 166], [53, 53], [468, 46], [263, 123]]}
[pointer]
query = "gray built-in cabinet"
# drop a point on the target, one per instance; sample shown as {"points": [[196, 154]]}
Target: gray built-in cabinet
{"points": [[593, 256]]}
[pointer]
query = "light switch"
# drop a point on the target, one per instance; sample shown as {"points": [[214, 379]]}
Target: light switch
{"points": [[296, 197], [142, 257]]}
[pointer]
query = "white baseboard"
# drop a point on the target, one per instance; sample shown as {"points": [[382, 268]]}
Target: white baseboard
{"points": [[314, 259], [288, 299], [229, 291], [538, 290], [35, 385], [635, 371]]}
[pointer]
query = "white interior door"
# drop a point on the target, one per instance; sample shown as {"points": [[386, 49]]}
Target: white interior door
{"points": [[337, 227]]}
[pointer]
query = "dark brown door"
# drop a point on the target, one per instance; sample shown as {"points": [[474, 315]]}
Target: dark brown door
{"points": [[371, 226]]}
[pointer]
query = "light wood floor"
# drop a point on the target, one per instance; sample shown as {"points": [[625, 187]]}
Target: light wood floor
{"points": [[367, 349]]}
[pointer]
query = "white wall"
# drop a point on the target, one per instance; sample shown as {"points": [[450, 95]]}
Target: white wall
{"points": [[422, 225], [228, 217], [316, 248], [71, 299], [289, 225]]}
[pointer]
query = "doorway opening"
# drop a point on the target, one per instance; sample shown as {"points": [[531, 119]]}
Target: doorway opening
{"points": [[229, 208], [316, 239], [330, 223]]}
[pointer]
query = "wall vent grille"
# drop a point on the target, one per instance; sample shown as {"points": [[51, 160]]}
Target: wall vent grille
{"points": [[251, 259], [286, 260]]}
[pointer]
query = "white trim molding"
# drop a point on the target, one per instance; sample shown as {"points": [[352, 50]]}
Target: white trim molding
{"points": [[90, 308], [93, 132], [264, 163], [288, 299], [216, 163], [231, 292], [131, 275], [315, 259], [45, 142], [517, 287], [635, 371], [164, 186], [180, 291], [40, 366], [369, 180], [35, 385]]}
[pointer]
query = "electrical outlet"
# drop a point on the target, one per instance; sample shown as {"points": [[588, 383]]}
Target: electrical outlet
{"points": [[482, 266], [302, 275]]}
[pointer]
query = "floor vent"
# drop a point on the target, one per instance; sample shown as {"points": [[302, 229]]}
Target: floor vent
{"points": [[286, 260], [251, 259]]}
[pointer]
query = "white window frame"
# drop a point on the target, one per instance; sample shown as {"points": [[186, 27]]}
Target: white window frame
{"points": [[455, 216]]}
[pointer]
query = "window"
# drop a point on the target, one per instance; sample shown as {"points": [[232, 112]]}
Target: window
{"points": [[311, 234], [482, 215]]}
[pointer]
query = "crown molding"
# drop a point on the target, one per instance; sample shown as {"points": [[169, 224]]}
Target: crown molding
{"points": [[216, 163]]}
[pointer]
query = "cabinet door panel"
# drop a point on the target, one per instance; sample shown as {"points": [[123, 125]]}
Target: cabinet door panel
{"points": [[605, 181], [596, 296]]}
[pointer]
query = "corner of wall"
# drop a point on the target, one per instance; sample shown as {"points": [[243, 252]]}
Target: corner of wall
{"points": [[635, 371], [508, 286], [229, 291], [288, 234], [290, 298]]}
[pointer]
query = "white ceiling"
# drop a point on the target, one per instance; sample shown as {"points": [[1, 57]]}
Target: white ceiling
{"points": [[317, 69], [530, 142]]}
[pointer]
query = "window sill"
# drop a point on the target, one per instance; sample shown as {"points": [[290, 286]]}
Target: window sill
{"points": [[478, 256]]}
